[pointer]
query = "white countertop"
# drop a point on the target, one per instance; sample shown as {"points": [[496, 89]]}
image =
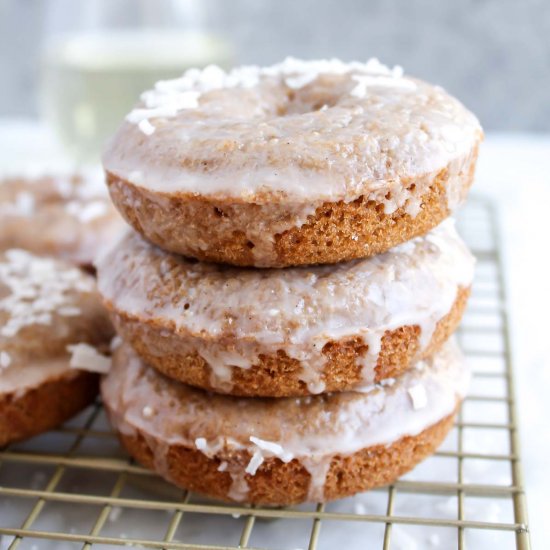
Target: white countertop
{"points": [[513, 172]]}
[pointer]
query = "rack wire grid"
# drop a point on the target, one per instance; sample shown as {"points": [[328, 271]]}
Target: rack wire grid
{"points": [[75, 488]]}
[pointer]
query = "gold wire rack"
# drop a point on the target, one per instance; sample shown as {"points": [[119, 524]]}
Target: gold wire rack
{"points": [[75, 488]]}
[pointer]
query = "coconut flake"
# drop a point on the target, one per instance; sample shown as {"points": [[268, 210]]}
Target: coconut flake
{"points": [[86, 357], [5, 360], [255, 462], [37, 289], [24, 203], [148, 411], [418, 396], [200, 443], [366, 81], [86, 212], [272, 448], [146, 127], [299, 81], [169, 97]]}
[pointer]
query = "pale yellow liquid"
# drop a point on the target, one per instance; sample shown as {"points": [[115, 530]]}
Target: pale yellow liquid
{"points": [[91, 81]]}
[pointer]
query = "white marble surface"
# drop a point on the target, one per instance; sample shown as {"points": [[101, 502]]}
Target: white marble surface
{"points": [[512, 171]]}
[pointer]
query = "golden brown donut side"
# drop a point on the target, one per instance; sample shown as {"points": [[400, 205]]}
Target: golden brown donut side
{"points": [[278, 375], [38, 409], [281, 484], [335, 232], [330, 234]]}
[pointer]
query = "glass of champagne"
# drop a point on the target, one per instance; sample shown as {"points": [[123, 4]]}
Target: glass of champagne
{"points": [[99, 55]]}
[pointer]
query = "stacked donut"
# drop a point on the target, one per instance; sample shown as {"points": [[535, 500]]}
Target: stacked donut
{"points": [[286, 300]]}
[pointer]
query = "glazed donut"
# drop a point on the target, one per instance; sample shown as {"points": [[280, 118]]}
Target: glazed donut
{"points": [[67, 217], [297, 331], [304, 162], [51, 320], [282, 451]]}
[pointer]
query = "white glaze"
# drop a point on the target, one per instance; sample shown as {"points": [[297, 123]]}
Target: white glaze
{"points": [[17, 380], [33, 290], [44, 305], [230, 316], [259, 226], [311, 430], [72, 216], [169, 97], [346, 130]]}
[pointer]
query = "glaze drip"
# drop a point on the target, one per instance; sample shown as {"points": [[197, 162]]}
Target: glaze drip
{"points": [[213, 311], [311, 430]]}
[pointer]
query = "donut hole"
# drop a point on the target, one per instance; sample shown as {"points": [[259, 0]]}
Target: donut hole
{"points": [[323, 94], [301, 106]]}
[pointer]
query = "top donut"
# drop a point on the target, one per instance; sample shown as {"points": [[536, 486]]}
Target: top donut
{"points": [[303, 162]]}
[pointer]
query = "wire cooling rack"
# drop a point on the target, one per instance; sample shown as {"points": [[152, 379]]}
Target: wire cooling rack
{"points": [[75, 488]]}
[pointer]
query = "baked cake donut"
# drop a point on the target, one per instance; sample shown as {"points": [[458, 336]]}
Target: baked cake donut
{"points": [[67, 217], [51, 320], [303, 162], [282, 451], [296, 331]]}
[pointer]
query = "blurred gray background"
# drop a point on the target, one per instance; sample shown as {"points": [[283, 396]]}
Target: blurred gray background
{"points": [[493, 54]]}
